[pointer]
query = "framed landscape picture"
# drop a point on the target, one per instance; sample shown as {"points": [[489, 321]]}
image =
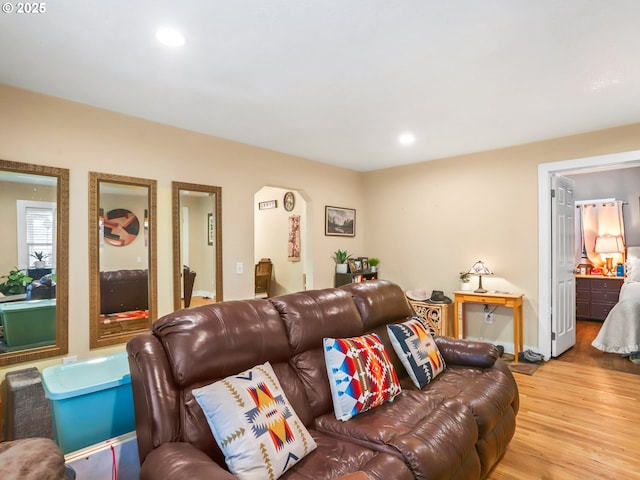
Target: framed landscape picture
{"points": [[340, 221]]}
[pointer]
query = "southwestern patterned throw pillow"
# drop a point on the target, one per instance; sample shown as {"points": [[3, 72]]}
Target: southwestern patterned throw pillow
{"points": [[255, 426], [361, 374], [417, 350]]}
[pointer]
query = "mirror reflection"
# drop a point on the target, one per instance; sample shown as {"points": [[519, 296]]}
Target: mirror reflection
{"points": [[197, 244], [122, 249], [34, 204]]}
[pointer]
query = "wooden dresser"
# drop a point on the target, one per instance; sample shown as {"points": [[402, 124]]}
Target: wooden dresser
{"points": [[596, 295]]}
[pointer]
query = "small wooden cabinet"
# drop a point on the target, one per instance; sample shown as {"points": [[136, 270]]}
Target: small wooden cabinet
{"points": [[357, 277], [438, 316], [596, 295]]}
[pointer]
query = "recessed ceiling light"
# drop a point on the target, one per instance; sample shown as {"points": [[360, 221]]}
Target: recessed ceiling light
{"points": [[407, 138], [170, 37]]}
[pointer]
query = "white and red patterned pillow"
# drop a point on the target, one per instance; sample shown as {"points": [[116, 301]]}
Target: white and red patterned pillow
{"points": [[254, 425], [417, 350], [361, 374]]}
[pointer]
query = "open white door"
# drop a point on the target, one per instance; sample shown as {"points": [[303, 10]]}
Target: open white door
{"points": [[563, 288]]}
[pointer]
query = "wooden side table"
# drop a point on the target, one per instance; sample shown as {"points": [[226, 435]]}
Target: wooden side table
{"points": [[436, 315], [510, 300]]}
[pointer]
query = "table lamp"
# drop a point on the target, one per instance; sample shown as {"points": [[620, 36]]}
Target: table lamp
{"points": [[608, 246], [480, 269]]}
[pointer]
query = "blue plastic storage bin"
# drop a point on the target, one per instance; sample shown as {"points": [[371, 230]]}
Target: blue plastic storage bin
{"points": [[91, 401]]}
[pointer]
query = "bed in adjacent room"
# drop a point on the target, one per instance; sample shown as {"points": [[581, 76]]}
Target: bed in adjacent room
{"points": [[620, 332]]}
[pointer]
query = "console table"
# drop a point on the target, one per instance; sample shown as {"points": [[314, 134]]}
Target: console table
{"points": [[509, 300]]}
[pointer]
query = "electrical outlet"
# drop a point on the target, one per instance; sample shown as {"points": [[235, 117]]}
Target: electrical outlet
{"points": [[69, 359], [488, 318]]}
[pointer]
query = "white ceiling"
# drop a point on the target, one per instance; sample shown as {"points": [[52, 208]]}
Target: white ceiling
{"points": [[338, 80]]}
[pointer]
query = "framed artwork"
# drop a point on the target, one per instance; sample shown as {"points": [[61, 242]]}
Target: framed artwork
{"points": [[355, 265], [211, 234], [365, 263], [353, 268], [340, 221]]}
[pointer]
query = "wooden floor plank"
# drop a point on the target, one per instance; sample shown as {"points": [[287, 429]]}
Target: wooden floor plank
{"points": [[576, 421]]}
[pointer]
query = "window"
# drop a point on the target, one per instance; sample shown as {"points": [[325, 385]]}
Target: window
{"points": [[36, 233]]}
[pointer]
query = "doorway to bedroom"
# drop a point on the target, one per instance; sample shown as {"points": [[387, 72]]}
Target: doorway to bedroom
{"points": [[615, 169]]}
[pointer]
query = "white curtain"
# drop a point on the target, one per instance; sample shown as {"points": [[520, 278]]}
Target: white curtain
{"points": [[599, 219]]}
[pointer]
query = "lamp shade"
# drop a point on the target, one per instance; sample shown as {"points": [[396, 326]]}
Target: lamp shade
{"points": [[608, 244], [479, 268]]}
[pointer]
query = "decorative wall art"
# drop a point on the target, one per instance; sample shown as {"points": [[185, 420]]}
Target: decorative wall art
{"points": [[293, 247], [289, 201], [211, 231], [121, 227], [340, 221], [146, 227], [267, 205]]}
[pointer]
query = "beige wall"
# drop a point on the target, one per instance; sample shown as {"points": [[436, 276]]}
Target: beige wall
{"points": [[426, 222], [44, 130], [429, 221]]}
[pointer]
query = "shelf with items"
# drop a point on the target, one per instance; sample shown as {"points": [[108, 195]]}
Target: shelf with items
{"points": [[355, 277]]}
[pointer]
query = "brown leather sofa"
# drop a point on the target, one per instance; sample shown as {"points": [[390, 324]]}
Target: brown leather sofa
{"points": [[123, 291], [457, 427]]}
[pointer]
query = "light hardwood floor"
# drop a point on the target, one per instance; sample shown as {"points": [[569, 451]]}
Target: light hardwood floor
{"points": [[576, 421]]}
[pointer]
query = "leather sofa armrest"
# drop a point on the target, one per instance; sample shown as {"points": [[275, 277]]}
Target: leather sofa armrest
{"points": [[467, 352], [181, 461]]}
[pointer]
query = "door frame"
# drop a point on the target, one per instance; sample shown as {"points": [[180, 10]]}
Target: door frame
{"points": [[545, 170]]}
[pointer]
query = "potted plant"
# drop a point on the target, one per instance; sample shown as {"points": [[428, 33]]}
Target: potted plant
{"points": [[15, 283], [40, 257], [341, 257], [465, 279], [373, 263]]}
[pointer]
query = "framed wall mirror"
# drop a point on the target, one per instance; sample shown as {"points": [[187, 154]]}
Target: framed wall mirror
{"points": [[34, 265], [122, 257], [197, 244]]}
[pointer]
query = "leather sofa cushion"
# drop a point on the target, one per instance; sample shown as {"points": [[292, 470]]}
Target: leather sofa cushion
{"points": [[379, 303], [442, 445], [377, 427], [211, 342], [315, 314], [334, 457], [447, 430], [308, 318], [488, 393]]}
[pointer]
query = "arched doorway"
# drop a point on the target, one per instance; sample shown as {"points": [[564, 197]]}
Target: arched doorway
{"points": [[281, 233]]}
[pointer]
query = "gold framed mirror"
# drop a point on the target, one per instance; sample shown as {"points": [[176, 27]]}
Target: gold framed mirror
{"points": [[197, 244], [34, 265], [122, 257]]}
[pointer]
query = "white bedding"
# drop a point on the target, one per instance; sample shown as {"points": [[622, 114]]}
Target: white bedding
{"points": [[620, 332]]}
